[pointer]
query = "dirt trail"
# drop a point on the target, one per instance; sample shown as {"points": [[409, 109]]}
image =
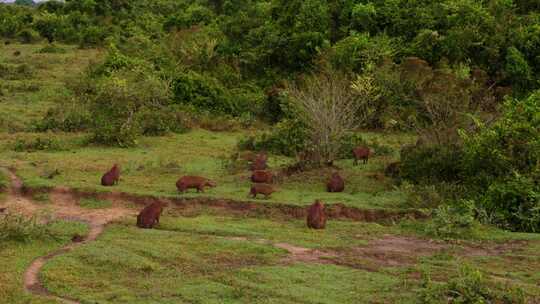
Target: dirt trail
{"points": [[63, 206]]}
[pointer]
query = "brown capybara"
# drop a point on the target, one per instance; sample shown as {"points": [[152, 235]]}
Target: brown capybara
{"points": [[196, 182], [111, 177], [316, 218], [259, 163], [361, 153], [2, 210], [335, 183], [149, 216], [263, 189], [17, 53], [77, 238], [262, 176]]}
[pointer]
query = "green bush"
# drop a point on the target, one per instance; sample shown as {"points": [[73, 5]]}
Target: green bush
{"points": [[20, 228], [67, 117], [28, 36], [37, 144], [160, 121], [203, 92], [514, 203], [432, 164], [468, 287], [453, 220], [52, 49], [288, 137]]}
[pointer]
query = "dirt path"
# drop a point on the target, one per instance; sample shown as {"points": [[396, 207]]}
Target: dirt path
{"points": [[63, 206]]}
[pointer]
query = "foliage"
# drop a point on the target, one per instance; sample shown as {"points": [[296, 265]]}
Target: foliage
{"points": [[469, 286], [37, 144], [453, 220], [20, 228]]}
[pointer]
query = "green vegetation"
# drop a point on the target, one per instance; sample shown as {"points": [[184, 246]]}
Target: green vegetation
{"points": [[445, 93], [92, 203]]}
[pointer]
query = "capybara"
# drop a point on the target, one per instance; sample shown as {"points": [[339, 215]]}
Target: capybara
{"points": [[335, 183], [264, 189], [259, 163], [316, 218], [361, 153], [149, 216], [262, 176], [2, 210], [111, 177], [197, 182], [17, 53], [77, 238]]}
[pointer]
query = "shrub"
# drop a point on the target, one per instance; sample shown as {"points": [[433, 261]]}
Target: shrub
{"points": [[469, 286], [159, 121], [19, 228], [37, 144], [288, 137], [431, 164], [454, 220], [16, 72], [67, 117], [28, 36], [203, 92], [514, 203], [52, 49]]}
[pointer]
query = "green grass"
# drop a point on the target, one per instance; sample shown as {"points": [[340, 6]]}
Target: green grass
{"points": [[92, 203], [222, 259], [190, 265], [26, 100], [15, 257], [155, 166], [4, 184]]}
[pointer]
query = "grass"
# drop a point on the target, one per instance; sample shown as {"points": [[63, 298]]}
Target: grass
{"points": [[221, 259], [4, 184], [15, 257], [27, 100], [155, 166], [190, 265], [92, 203]]}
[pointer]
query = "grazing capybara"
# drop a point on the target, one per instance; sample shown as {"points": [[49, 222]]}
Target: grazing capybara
{"points": [[316, 218], [361, 153], [111, 177], [263, 189], [149, 216], [335, 183], [196, 182], [259, 163], [262, 176], [77, 238]]}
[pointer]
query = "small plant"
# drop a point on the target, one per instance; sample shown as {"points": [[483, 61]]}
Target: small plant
{"points": [[52, 49], [19, 228], [42, 198], [37, 144], [93, 203], [453, 220], [468, 287]]}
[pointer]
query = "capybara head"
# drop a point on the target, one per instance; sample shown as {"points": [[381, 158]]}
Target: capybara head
{"points": [[316, 218]]}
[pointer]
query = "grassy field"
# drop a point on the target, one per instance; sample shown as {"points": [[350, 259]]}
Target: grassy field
{"points": [[217, 259], [154, 166], [16, 256], [212, 256]]}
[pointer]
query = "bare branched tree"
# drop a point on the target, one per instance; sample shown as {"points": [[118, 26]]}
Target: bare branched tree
{"points": [[331, 105]]}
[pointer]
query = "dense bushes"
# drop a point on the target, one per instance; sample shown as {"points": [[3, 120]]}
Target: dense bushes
{"points": [[497, 164]]}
